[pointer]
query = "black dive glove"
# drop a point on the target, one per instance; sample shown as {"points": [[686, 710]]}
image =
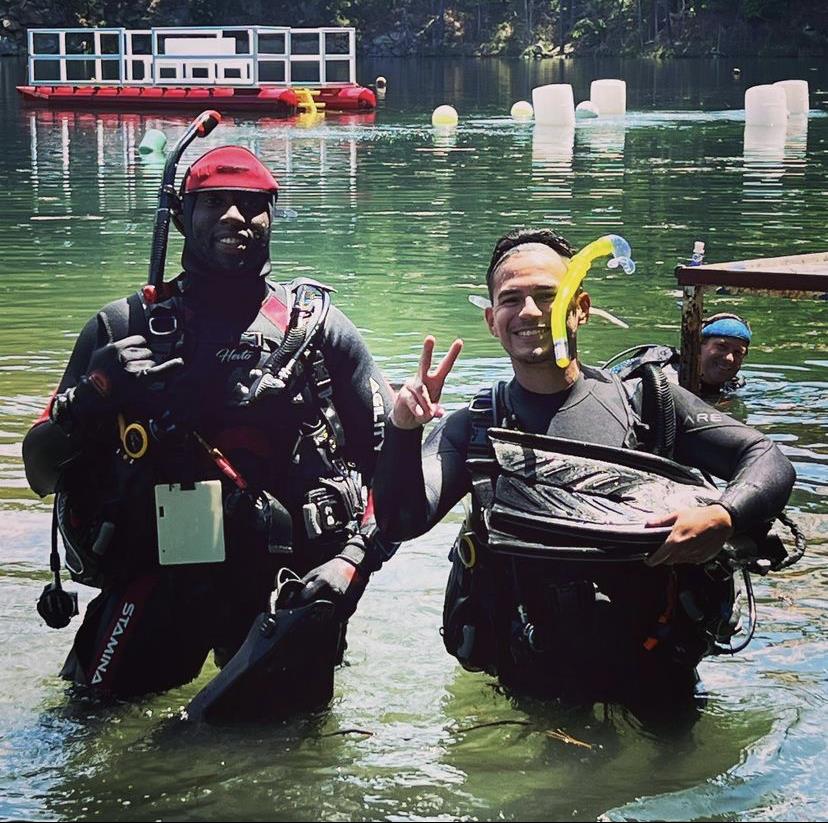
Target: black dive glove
{"points": [[342, 580], [112, 380]]}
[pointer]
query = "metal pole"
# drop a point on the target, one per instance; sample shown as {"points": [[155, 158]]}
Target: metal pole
{"points": [[96, 42], [288, 47], [321, 57], [154, 48], [121, 58], [253, 47], [62, 53]]}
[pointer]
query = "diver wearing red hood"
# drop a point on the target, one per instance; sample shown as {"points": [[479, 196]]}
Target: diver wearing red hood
{"points": [[201, 444]]}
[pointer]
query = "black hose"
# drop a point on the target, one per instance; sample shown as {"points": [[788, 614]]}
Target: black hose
{"points": [[622, 354], [158, 252], [293, 339], [800, 543], [720, 648], [54, 555], [659, 410], [297, 338]]}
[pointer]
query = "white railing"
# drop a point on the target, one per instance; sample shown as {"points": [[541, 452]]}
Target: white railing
{"points": [[199, 56]]}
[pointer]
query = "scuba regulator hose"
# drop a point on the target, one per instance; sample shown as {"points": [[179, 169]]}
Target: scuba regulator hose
{"points": [[168, 202], [576, 271], [311, 305]]}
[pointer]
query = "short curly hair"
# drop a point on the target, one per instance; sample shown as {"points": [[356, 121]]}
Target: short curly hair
{"points": [[520, 237]]}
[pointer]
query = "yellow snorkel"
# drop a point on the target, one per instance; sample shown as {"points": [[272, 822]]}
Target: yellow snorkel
{"points": [[576, 271]]}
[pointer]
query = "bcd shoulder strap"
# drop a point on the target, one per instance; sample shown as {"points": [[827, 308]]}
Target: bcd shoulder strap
{"points": [[489, 407]]}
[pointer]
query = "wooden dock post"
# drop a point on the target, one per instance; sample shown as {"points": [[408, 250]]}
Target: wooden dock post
{"points": [[692, 310]]}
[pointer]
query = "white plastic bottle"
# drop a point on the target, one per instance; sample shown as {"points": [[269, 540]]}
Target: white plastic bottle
{"points": [[697, 258]]}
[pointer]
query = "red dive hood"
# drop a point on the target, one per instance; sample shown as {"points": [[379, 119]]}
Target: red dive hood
{"points": [[229, 167]]}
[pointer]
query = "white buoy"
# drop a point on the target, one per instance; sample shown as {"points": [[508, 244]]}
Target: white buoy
{"points": [[796, 95], [586, 110], [609, 96], [444, 117], [766, 106], [522, 110], [554, 105]]}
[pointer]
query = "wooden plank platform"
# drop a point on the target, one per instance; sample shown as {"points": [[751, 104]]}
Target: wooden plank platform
{"points": [[799, 272]]}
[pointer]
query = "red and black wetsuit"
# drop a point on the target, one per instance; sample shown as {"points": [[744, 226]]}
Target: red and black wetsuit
{"points": [[152, 627]]}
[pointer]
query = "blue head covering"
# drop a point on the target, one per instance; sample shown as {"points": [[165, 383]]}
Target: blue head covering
{"points": [[726, 325]]}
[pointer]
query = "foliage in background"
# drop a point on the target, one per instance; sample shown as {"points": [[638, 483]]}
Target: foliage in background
{"points": [[533, 28]]}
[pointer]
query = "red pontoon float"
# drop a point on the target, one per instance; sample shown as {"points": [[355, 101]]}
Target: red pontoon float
{"points": [[233, 69]]}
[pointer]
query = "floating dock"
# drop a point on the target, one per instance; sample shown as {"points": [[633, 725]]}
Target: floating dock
{"points": [[264, 69]]}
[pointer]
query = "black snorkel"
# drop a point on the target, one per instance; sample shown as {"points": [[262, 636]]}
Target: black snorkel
{"points": [[168, 202]]}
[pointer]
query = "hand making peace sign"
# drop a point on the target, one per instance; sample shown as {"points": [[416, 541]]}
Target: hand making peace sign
{"points": [[418, 400]]}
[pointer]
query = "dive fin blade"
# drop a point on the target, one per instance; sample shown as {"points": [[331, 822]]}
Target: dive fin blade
{"points": [[284, 666]]}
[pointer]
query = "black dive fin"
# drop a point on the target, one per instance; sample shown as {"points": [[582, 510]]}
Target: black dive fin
{"points": [[286, 665], [563, 498]]}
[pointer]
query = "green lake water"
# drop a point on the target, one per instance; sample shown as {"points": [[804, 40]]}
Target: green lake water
{"points": [[402, 223]]}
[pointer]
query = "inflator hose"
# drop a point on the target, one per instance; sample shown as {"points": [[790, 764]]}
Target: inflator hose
{"points": [[658, 410]]}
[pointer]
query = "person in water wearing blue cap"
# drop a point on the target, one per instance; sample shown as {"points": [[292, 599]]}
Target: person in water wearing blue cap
{"points": [[725, 338]]}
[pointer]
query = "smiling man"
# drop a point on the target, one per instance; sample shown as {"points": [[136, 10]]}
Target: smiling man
{"points": [[587, 631], [725, 339], [205, 440]]}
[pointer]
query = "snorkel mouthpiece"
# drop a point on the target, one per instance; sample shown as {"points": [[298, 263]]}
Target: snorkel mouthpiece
{"points": [[576, 271], [621, 251]]}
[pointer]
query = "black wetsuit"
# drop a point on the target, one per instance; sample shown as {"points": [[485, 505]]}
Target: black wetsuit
{"points": [[152, 626], [415, 488]]}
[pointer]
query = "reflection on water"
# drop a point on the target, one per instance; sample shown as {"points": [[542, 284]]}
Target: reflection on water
{"points": [[402, 221], [62, 141], [552, 174]]}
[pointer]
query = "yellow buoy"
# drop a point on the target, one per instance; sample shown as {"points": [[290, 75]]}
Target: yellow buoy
{"points": [[444, 116], [522, 110]]}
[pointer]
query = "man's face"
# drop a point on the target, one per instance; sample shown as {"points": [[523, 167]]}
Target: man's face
{"points": [[231, 226], [523, 291], [721, 359]]}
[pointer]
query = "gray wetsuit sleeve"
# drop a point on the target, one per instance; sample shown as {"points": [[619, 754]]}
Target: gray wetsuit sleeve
{"points": [[759, 477], [415, 487]]}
